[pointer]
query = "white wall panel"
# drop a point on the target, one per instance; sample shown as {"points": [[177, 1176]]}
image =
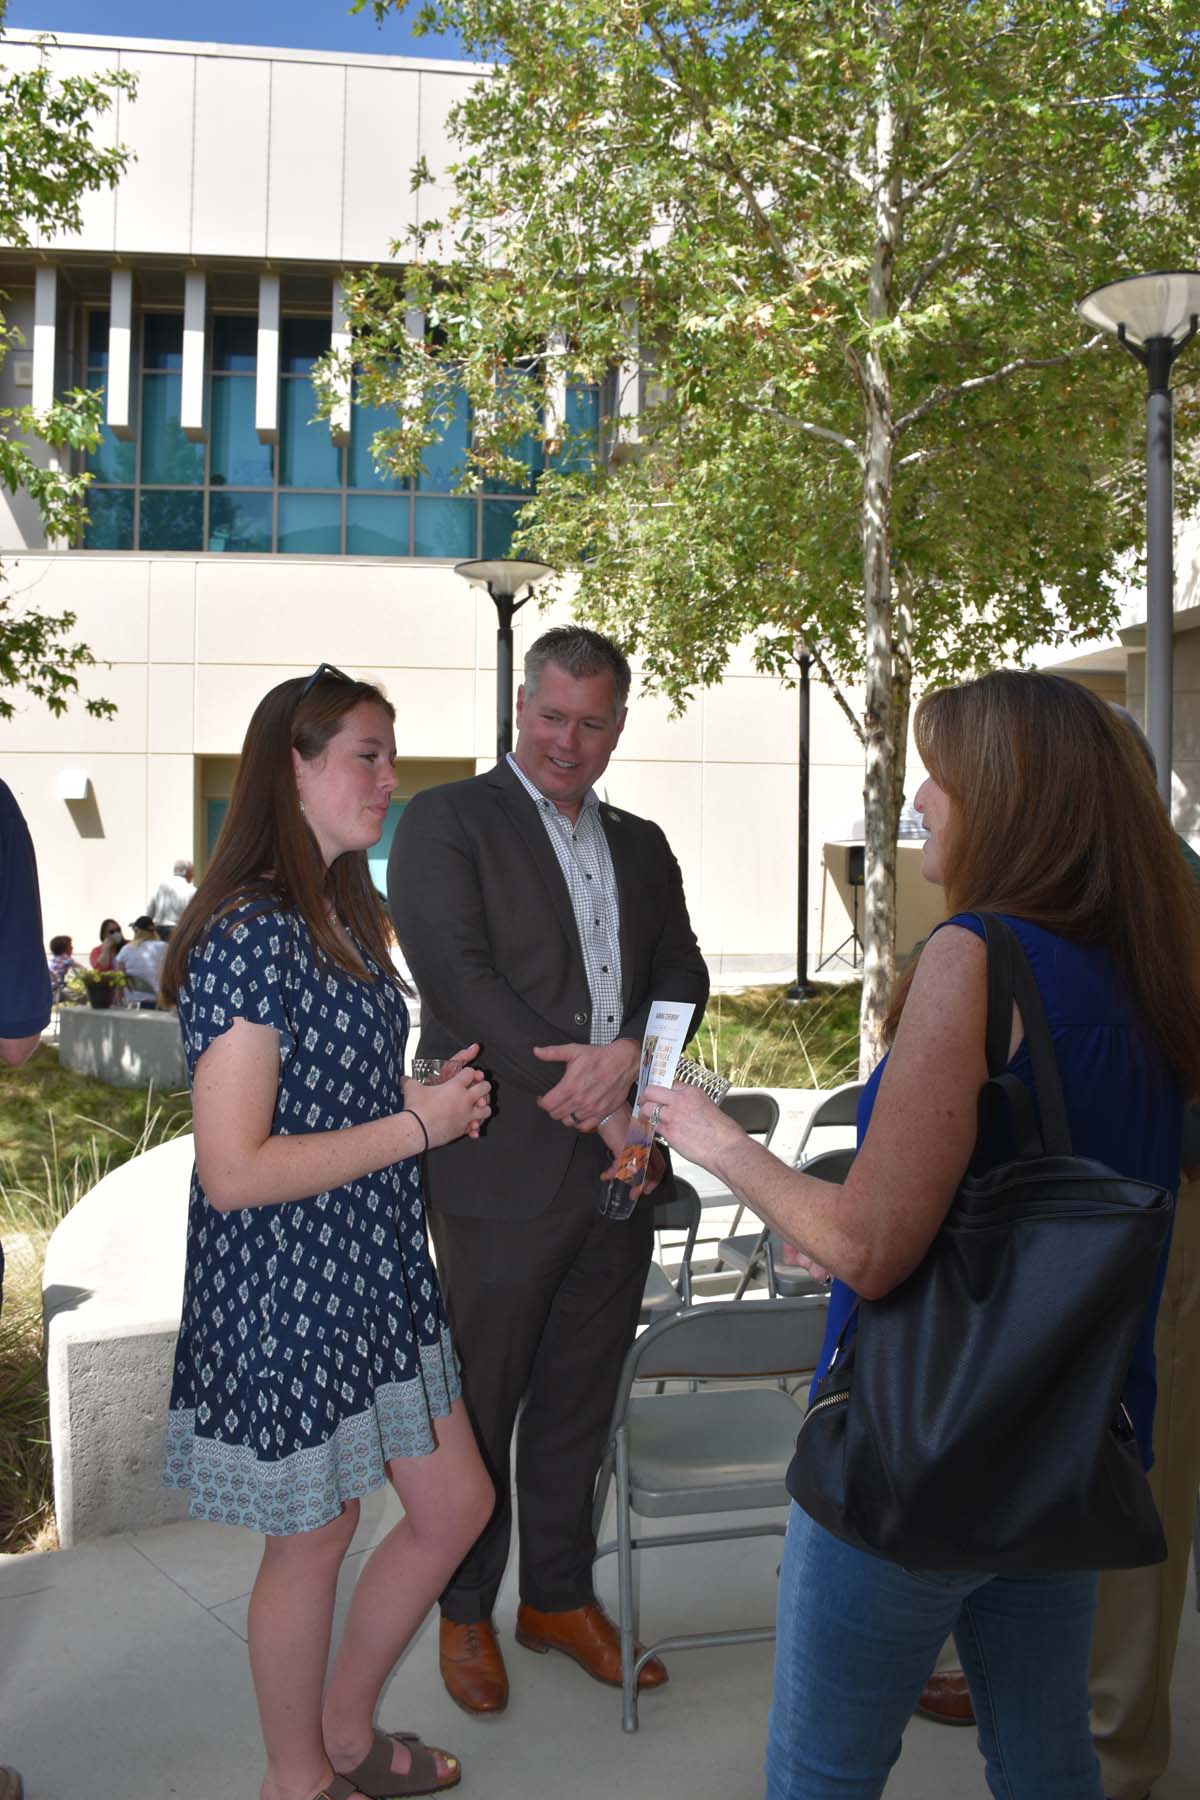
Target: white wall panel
{"points": [[172, 632], [171, 706], [374, 618], [170, 814], [97, 210], [154, 199], [229, 202], [304, 214], [381, 151]]}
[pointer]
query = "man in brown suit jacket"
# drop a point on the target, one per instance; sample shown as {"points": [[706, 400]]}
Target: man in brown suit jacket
{"points": [[541, 923]]}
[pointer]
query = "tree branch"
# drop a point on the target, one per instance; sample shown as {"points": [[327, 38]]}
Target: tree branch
{"points": [[943, 169], [830, 681], [806, 426], [944, 252], [943, 396], [725, 162]]}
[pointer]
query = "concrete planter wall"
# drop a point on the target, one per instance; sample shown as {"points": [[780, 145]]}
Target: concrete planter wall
{"points": [[123, 1047]]}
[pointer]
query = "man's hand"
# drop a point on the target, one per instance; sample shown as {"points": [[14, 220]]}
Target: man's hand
{"points": [[595, 1081]]}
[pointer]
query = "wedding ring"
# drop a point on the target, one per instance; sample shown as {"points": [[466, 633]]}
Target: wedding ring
{"points": [[655, 1116], [574, 1118]]}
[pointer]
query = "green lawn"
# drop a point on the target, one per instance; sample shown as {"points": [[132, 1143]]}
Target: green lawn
{"points": [[761, 1039]]}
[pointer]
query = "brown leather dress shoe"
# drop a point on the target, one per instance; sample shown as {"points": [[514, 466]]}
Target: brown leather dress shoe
{"points": [[589, 1637], [946, 1699], [472, 1666]]}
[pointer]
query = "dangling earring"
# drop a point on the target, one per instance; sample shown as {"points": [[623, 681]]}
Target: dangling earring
{"points": [[301, 805]]}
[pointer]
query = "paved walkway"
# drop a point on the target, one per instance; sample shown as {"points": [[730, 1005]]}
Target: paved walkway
{"points": [[123, 1677]]}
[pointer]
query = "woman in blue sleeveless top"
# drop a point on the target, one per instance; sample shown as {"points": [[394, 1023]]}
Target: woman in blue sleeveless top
{"points": [[1040, 807]]}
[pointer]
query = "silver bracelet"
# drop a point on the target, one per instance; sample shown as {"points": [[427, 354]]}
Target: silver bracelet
{"points": [[608, 1116]]}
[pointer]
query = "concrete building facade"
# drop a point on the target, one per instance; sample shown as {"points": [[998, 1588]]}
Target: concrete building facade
{"points": [[233, 541]]}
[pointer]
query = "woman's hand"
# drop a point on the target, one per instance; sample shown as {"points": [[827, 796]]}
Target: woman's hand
{"points": [[794, 1258], [455, 1105], [614, 1132], [692, 1124]]}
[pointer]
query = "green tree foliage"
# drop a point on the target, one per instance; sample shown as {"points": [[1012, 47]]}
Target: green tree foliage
{"points": [[842, 241], [49, 159]]}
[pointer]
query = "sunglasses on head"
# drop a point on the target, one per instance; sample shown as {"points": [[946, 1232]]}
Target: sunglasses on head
{"points": [[321, 670]]}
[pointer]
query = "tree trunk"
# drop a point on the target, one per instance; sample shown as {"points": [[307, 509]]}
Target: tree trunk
{"points": [[901, 689], [880, 794]]}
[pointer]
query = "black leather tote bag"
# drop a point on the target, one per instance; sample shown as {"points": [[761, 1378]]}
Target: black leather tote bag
{"points": [[974, 1420]]}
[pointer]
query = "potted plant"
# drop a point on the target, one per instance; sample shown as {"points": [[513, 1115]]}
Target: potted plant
{"points": [[96, 986]]}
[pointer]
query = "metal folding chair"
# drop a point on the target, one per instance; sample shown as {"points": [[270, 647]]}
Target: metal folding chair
{"points": [[715, 1450], [757, 1112], [759, 1254], [662, 1295]]}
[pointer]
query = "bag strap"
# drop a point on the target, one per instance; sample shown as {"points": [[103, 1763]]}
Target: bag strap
{"points": [[1004, 947]]}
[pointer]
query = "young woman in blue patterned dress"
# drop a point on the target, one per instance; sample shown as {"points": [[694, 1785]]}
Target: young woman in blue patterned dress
{"points": [[314, 1360]]}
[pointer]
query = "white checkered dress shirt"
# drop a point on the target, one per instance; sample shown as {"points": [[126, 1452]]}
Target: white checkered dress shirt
{"points": [[586, 862]]}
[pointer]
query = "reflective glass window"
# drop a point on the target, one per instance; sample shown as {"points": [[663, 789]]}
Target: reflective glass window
{"points": [[238, 459], [163, 340], [167, 456], [239, 522], [582, 422], [110, 519], [499, 523], [529, 449], [97, 340], [444, 461], [234, 344], [114, 458], [361, 471], [377, 524], [173, 521], [308, 456], [310, 524], [444, 528], [301, 342]]}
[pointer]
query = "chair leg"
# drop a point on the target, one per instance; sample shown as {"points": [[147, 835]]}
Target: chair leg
{"points": [[629, 1718], [603, 1479]]}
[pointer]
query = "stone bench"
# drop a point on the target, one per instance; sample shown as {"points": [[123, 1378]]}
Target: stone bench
{"points": [[112, 1291], [122, 1046]]}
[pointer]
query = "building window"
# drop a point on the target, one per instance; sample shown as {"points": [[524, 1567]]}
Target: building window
{"points": [[305, 495]]}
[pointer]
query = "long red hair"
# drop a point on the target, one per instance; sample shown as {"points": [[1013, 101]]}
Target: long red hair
{"points": [[1057, 819], [266, 850]]}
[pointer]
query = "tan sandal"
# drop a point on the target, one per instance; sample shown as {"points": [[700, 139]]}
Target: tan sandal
{"points": [[375, 1777]]}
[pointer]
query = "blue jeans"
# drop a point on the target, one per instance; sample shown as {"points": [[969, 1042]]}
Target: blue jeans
{"points": [[857, 1640]]}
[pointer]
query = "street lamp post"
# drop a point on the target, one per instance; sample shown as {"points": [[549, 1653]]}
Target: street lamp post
{"points": [[504, 577], [1154, 316], [801, 988]]}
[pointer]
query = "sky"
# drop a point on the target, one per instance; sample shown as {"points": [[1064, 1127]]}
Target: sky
{"points": [[284, 24]]}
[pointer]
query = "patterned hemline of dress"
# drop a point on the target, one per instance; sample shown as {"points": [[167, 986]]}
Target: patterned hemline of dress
{"points": [[313, 1344]]}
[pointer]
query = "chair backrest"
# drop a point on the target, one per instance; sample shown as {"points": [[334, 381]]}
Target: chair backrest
{"points": [[757, 1113], [679, 1213], [729, 1340], [829, 1165], [838, 1107]]}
